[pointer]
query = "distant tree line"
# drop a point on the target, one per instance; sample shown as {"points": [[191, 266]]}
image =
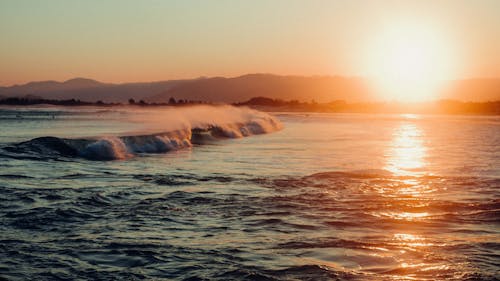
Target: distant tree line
{"points": [[436, 107], [264, 103], [35, 101], [171, 101], [76, 102]]}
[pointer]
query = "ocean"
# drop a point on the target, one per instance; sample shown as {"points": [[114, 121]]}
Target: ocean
{"points": [[225, 193]]}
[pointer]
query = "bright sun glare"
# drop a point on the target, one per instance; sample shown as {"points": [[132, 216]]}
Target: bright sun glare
{"points": [[409, 62]]}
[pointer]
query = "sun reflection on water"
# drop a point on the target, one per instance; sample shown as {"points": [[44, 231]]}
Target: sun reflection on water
{"points": [[406, 160], [411, 240], [407, 215], [407, 150]]}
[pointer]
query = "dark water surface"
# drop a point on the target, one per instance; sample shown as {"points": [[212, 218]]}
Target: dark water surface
{"points": [[329, 197]]}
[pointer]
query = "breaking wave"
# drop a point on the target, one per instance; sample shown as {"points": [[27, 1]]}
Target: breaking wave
{"points": [[186, 126]]}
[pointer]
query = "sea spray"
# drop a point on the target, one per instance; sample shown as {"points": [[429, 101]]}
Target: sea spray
{"points": [[162, 131], [236, 121]]}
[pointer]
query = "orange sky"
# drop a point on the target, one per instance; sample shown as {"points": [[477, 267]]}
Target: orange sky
{"points": [[122, 41]]}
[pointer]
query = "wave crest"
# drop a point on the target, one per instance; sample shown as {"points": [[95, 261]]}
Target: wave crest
{"points": [[108, 148], [191, 129]]}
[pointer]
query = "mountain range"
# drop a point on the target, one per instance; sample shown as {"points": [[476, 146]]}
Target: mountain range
{"points": [[241, 88]]}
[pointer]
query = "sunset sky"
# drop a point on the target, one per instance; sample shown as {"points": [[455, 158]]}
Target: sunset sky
{"points": [[122, 41]]}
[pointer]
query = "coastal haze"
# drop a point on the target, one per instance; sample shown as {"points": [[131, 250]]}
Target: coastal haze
{"points": [[242, 88], [250, 140]]}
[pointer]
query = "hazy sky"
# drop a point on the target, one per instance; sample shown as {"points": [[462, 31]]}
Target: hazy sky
{"points": [[117, 41]]}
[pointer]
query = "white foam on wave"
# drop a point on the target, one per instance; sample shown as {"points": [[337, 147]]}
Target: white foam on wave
{"points": [[107, 148], [176, 126], [158, 143]]}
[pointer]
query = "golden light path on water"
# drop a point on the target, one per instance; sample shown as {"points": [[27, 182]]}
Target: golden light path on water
{"points": [[407, 151], [406, 160]]}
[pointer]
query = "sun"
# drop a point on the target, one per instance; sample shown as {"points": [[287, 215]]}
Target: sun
{"points": [[409, 62]]}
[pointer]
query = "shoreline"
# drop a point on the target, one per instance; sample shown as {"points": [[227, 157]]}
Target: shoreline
{"points": [[440, 107]]}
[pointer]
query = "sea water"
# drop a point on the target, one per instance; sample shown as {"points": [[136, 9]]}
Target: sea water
{"points": [[222, 193]]}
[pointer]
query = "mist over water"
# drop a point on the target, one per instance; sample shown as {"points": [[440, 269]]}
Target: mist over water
{"points": [[322, 197]]}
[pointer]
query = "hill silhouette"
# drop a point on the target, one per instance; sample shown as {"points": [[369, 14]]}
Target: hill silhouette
{"points": [[237, 89], [321, 88], [50, 86], [479, 89], [88, 90]]}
